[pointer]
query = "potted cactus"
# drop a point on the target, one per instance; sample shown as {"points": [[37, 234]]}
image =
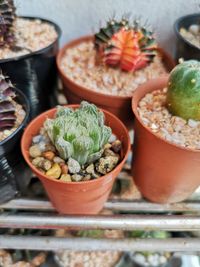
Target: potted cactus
{"points": [[106, 68], [14, 114], [27, 54], [76, 156], [167, 135]]}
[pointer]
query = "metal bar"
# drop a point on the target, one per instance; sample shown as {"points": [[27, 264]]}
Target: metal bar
{"points": [[124, 222], [116, 205], [85, 244]]}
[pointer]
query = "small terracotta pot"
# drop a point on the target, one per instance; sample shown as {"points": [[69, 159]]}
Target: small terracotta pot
{"points": [[164, 172], [118, 105], [86, 197]]}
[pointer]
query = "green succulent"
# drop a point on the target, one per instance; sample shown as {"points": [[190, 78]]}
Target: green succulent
{"points": [[79, 134], [183, 95]]}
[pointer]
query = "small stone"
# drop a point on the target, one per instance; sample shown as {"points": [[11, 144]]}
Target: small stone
{"points": [[193, 123], [66, 178], [58, 160], [37, 161], [77, 177], [7, 132], [109, 152], [106, 164], [34, 151], [112, 138], [37, 139], [107, 146], [87, 177], [116, 146], [50, 147], [54, 172], [64, 168], [48, 155], [73, 165], [90, 169], [163, 260], [194, 29], [42, 146], [46, 165]]}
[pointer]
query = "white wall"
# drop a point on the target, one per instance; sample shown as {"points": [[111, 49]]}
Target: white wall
{"points": [[80, 17]]}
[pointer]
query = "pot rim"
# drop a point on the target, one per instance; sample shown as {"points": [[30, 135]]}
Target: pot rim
{"points": [[40, 51], [134, 106], [79, 40], [21, 126], [176, 28], [45, 114]]}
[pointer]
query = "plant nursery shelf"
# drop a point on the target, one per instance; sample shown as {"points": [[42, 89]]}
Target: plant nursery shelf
{"points": [[40, 214]]}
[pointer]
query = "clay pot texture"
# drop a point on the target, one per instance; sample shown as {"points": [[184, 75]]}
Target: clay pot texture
{"points": [[118, 105], [86, 197], [164, 172]]}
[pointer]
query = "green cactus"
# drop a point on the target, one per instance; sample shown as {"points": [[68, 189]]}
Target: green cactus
{"points": [[183, 95]]}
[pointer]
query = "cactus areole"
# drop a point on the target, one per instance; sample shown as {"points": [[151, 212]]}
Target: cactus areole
{"points": [[128, 47], [183, 95]]}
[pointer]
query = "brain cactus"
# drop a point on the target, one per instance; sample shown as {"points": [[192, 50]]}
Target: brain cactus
{"points": [[79, 134], [7, 108], [129, 47], [183, 97], [7, 18]]}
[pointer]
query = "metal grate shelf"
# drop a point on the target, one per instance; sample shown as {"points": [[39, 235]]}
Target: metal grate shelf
{"points": [[128, 211]]}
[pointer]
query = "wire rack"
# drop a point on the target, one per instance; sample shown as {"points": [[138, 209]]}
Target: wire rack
{"points": [[128, 212]]}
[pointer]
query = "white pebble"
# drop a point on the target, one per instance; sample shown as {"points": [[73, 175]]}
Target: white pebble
{"points": [[37, 139], [194, 28], [193, 123]]}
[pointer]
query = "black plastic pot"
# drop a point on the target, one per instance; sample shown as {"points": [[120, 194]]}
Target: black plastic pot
{"points": [[13, 171], [184, 49], [35, 73]]}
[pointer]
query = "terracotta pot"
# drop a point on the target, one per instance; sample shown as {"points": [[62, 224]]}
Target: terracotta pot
{"points": [[86, 197], [164, 172], [118, 105]]}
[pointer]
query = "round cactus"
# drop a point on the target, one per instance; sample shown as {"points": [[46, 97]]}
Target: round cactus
{"points": [[183, 96]]}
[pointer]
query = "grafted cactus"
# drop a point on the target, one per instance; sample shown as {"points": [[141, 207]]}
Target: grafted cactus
{"points": [[127, 46]]}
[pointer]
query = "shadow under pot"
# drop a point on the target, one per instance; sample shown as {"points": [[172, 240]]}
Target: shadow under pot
{"points": [[35, 72], [184, 48], [84, 197], [12, 178], [163, 171], [120, 106]]}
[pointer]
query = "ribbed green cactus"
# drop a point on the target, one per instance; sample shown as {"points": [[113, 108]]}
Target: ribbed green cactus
{"points": [[183, 96]]}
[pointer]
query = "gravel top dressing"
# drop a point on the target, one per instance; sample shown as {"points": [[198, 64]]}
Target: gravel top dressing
{"points": [[31, 36], [192, 35], [155, 115], [78, 63]]}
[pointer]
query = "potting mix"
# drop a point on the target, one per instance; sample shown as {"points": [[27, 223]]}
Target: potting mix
{"points": [[121, 57]]}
